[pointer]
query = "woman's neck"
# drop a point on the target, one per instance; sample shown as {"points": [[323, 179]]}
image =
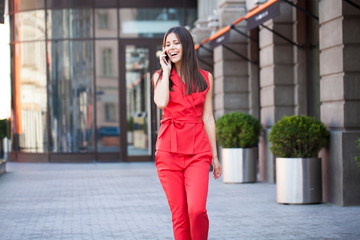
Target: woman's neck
{"points": [[178, 69]]}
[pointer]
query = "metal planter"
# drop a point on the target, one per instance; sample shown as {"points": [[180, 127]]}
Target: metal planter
{"points": [[298, 180], [239, 165]]}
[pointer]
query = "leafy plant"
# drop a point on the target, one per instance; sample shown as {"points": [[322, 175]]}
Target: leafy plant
{"points": [[4, 132], [237, 130], [130, 124], [4, 128], [357, 158], [298, 137]]}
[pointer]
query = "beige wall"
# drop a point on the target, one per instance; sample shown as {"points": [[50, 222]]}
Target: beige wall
{"points": [[321, 79]]}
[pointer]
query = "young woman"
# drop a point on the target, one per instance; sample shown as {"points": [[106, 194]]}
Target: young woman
{"points": [[186, 144]]}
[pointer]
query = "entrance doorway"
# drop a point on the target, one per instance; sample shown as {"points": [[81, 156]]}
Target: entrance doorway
{"points": [[138, 114]]}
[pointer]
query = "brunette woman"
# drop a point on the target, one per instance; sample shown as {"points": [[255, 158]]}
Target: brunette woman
{"points": [[186, 144]]}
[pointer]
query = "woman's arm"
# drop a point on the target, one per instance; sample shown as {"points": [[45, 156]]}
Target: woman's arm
{"points": [[209, 124], [161, 87]]}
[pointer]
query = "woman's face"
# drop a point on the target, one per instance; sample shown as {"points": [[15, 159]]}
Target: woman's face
{"points": [[173, 48]]}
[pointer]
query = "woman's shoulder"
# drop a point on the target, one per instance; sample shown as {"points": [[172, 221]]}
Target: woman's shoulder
{"points": [[155, 76], [204, 72], [156, 73]]}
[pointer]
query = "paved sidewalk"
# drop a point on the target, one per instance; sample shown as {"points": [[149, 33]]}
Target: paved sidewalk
{"points": [[108, 201]]}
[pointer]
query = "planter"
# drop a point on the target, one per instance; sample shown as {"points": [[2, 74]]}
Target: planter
{"points": [[239, 165], [298, 180], [2, 166]]}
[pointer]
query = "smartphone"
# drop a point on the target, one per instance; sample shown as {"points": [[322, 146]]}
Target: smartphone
{"points": [[166, 58]]}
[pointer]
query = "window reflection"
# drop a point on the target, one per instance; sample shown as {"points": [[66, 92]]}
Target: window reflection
{"points": [[30, 25], [105, 23], [137, 100], [107, 95], [69, 23], [149, 23], [21, 5], [71, 96], [31, 103]]}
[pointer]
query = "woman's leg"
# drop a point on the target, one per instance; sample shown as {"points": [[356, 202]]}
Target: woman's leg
{"points": [[170, 171], [173, 185], [196, 179]]}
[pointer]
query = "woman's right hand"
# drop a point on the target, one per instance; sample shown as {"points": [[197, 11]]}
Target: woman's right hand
{"points": [[165, 64]]}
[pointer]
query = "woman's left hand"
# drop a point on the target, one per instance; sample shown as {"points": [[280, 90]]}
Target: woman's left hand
{"points": [[216, 168]]}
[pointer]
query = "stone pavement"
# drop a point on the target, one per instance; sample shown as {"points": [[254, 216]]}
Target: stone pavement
{"points": [[108, 201]]}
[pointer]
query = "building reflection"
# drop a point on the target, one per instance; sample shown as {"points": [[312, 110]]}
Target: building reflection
{"points": [[69, 61], [137, 93], [30, 82], [71, 81]]}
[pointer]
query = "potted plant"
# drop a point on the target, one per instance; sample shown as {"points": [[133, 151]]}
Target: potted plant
{"points": [[357, 158], [238, 134], [4, 132], [296, 141]]}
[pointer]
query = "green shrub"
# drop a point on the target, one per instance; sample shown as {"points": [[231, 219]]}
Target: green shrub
{"points": [[4, 128], [237, 130], [357, 158], [298, 137]]}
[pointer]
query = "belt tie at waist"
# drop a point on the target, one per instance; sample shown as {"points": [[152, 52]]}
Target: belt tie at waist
{"points": [[176, 123]]}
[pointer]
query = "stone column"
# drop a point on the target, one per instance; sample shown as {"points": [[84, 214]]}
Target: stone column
{"points": [[340, 98], [231, 81], [253, 53], [277, 82], [202, 30]]}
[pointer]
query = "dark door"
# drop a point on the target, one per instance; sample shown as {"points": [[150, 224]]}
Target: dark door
{"points": [[138, 115]]}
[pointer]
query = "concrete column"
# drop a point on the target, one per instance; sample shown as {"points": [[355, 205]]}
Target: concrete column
{"points": [[340, 98], [231, 81], [300, 71], [202, 31], [254, 84], [277, 84], [206, 8]]}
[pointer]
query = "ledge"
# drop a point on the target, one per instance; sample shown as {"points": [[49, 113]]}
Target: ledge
{"points": [[2, 166]]}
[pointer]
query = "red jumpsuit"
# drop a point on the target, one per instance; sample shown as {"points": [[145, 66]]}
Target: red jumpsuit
{"points": [[183, 157]]}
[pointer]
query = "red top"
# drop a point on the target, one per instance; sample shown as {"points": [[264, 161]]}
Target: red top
{"points": [[182, 129]]}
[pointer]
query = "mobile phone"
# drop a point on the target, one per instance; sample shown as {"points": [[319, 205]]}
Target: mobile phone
{"points": [[166, 58]]}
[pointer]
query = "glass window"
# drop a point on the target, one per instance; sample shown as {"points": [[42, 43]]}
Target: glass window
{"points": [[30, 25], [138, 100], [105, 23], [103, 20], [107, 96], [71, 92], [110, 112], [149, 23], [31, 101], [28, 4], [69, 23], [191, 17], [106, 62]]}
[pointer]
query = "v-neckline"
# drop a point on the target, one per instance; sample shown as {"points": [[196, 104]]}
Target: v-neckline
{"points": [[178, 76]]}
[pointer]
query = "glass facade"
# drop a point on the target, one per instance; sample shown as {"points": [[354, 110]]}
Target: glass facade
{"points": [[71, 96], [30, 86], [107, 96], [69, 23], [137, 105], [149, 23], [69, 60]]}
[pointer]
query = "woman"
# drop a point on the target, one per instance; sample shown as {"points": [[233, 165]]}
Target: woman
{"points": [[186, 144]]}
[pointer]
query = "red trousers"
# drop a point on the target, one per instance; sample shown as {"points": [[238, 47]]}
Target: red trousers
{"points": [[185, 180]]}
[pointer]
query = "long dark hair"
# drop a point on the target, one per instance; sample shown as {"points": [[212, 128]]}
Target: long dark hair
{"points": [[194, 81]]}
